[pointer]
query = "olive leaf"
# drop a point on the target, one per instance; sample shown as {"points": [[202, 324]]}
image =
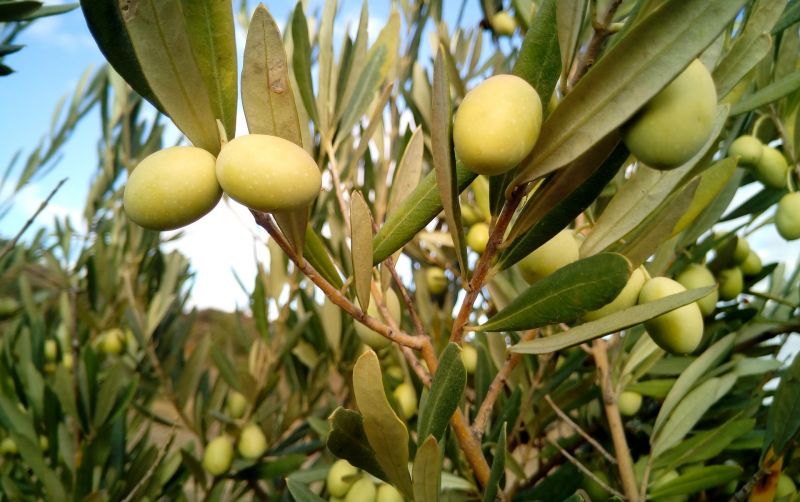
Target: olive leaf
{"points": [[301, 60], [325, 92], [446, 391], [348, 440], [705, 477], [498, 467], [409, 171], [569, 22], [427, 471], [783, 419], [768, 94], [361, 227]]}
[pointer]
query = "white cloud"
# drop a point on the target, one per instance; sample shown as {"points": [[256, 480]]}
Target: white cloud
{"points": [[51, 31]]}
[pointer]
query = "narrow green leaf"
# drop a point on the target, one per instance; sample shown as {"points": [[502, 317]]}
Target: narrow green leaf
{"points": [[565, 295], [301, 60], [498, 468], [712, 182], [610, 324], [446, 391], [348, 440], [689, 377], [107, 394], [352, 61], [569, 22], [317, 255], [301, 492], [49, 10], [758, 203], [409, 171], [361, 227], [652, 53], [386, 433], [768, 94], [193, 370], [326, 95], [442, 150], [159, 36], [427, 471], [31, 454], [539, 60], [783, 420], [790, 16], [697, 480], [704, 445], [658, 388], [16, 10]]}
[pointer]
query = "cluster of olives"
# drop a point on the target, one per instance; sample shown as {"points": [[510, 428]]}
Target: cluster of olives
{"points": [[346, 483], [176, 186], [251, 443]]}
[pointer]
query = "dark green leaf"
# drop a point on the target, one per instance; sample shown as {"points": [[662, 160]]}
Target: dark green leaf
{"points": [[756, 204], [17, 10], [301, 492], [7, 49], [790, 16], [783, 420], [539, 60], [704, 445], [301, 60], [498, 468], [447, 389], [193, 370], [697, 480], [771, 93], [348, 440]]}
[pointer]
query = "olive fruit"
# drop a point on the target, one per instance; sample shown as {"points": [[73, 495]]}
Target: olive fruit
{"points": [[559, 251], [388, 493], [112, 342], [50, 350], [787, 216], [698, 276], [478, 237], [731, 283], [218, 456], [373, 338], [675, 124], [751, 265], [629, 403], [504, 24], [8, 447], [8, 307], [406, 398], [594, 489], [336, 483], [771, 168], [469, 356], [678, 331], [747, 148], [252, 442], [741, 251], [44, 443], [662, 481], [67, 361], [497, 124], [362, 491], [786, 488], [436, 280], [268, 173], [626, 298], [235, 405], [470, 215], [171, 188]]}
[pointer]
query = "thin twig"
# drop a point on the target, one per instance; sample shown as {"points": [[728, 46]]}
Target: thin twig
{"points": [[13, 242], [574, 461], [577, 428], [337, 183], [602, 30]]}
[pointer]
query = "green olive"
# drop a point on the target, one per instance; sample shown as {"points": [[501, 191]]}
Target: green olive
{"points": [[663, 480], [497, 124], [731, 283], [675, 124], [752, 265], [436, 280], [171, 188], [504, 24], [388, 493], [218, 456], [748, 149], [362, 491], [268, 173], [478, 237], [373, 338], [787, 216], [112, 342], [252, 442], [469, 356], [771, 168], [340, 478], [629, 403], [406, 397], [626, 298], [786, 488], [67, 361], [236, 405], [470, 215], [8, 447], [44, 443], [697, 276], [50, 350], [594, 489], [8, 307], [559, 251], [678, 331], [742, 250]]}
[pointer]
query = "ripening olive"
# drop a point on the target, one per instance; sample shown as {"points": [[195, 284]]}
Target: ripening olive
{"points": [[497, 124], [218, 456], [478, 237], [67, 361], [629, 403], [748, 149], [388, 493], [673, 126], [171, 188], [752, 265], [362, 491], [268, 173], [504, 24], [336, 483], [698, 276], [113, 342], [771, 168], [787, 216], [50, 350], [731, 283], [626, 298], [252, 442], [437, 281], [742, 250], [373, 338], [559, 251], [406, 397], [235, 405], [469, 356], [678, 331], [8, 447]]}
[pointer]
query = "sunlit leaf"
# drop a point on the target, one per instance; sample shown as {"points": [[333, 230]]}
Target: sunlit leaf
{"points": [[427, 471], [446, 391], [361, 225]]}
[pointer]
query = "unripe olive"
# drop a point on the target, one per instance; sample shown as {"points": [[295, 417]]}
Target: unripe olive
{"points": [[697, 276], [406, 397], [67, 361], [596, 491], [44, 443], [395, 373], [218, 456], [673, 126], [268, 173], [388, 493], [336, 483], [236, 405], [437, 281], [771, 168], [8, 447], [470, 215], [504, 24], [787, 216], [252, 442], [629, 403], [362, 491], [742, 250], [8, 307], [626, 298], [112, 342], [786, 488], [172, 188], [748, 149], [678, 331], [469, 356], [731, 283], [478, 237], [497, 124], [50, 350], [373, 338], [558, 252], [663, 480], [752, 265]]}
